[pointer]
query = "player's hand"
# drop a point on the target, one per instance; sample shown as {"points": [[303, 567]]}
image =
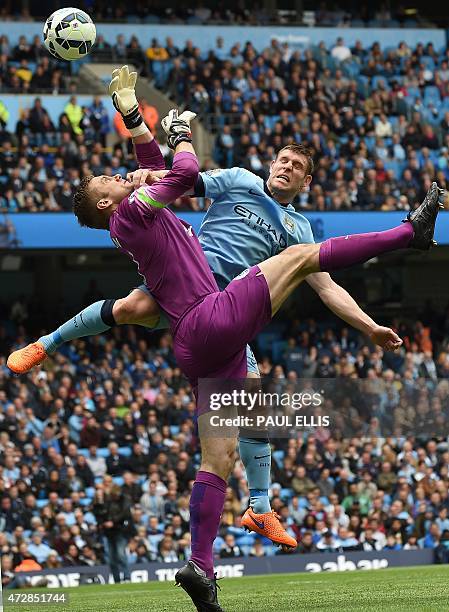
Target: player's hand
{"points": [[385, 338], [177, 127], [123, 94], [142, 176]]}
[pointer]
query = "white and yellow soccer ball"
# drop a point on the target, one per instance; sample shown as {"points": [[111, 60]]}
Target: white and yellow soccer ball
{"points": [[69, 34]]}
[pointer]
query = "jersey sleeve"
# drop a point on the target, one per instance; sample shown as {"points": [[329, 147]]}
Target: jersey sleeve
{"points": [[307, 233], [217, 182], [149, 155], [179, 179]]}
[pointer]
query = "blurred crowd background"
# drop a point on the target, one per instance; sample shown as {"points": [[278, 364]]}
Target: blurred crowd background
{"points": [[107, 424], [376, 118]]}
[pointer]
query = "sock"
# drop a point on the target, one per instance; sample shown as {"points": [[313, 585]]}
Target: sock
{"points": [[345, 251], [93, 320], [206, 506], [256, 457]]}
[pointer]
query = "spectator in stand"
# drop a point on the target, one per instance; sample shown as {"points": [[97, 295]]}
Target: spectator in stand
{"points": [[74, 114], [341, 52], [39, 122], [112, 511], [100, 120]]}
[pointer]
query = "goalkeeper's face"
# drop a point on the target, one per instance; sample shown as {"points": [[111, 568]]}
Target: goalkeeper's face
{"points": [[288, 175], [110, 188]]}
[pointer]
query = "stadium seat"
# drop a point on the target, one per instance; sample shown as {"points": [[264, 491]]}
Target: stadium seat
{"points": [[413, 92], [380, 80], [376, 23], [278, 456], [277, 350], [152, 19], [125, 451], [428, 62], [287, 494], [432, 93]]}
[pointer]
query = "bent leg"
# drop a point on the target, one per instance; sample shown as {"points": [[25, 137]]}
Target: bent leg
{"points": [[284, 272], [137, 308]]}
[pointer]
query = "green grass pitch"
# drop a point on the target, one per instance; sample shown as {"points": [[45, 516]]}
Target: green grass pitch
{"points": [[423, 589]]}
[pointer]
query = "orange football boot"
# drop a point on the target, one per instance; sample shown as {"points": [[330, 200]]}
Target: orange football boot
{"points": [[26, 358], [268, 525]]}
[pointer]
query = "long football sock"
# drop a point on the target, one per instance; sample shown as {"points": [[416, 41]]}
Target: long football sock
{"points": [[345, 251], [256, 457], [206, 506], [93, 320]]}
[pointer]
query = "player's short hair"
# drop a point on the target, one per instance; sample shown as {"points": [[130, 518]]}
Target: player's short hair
{"points": [[300, 149], [84, 205]]}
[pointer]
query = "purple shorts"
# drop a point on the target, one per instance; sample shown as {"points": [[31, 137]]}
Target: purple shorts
{"points": [[210, 340]]}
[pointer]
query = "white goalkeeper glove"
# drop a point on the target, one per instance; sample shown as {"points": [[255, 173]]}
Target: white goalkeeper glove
{"points": [[123, 94], [177, 127]]}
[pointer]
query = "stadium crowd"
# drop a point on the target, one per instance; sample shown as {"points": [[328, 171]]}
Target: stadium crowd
{"points": [[98, 445], [199, 12], [377, 120]]}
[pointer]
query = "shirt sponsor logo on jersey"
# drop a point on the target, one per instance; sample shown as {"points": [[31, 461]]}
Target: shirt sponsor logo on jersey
{"points": [[255, 221], [289, 224]]}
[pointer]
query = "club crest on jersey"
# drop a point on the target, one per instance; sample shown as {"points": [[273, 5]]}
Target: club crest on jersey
{"points": [[289, 224]]}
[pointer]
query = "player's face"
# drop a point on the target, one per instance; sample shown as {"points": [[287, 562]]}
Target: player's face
{"points": [[288, 175], [111, 188]]}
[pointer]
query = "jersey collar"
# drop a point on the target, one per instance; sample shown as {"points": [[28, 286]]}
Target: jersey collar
{"points": [[269, 194]]}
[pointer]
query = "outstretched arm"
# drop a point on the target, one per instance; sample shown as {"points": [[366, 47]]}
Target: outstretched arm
{"points": [[344, 306], [123, 94]]}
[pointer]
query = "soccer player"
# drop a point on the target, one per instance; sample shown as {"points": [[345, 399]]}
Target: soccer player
{"points": [[247, 222], [210, 327]]}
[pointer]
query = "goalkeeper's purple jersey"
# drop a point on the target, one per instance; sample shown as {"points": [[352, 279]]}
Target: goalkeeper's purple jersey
{"points": [[165, 248]]}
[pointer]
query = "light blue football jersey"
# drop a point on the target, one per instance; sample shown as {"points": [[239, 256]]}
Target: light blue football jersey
{"points": [[245, 225]]}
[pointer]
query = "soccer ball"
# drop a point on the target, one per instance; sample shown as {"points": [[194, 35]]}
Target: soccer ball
{"points": [[69, 34]]}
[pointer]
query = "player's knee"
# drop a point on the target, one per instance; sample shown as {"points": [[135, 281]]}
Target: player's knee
{"points": [[137, 308], [123, 311], [302, 256]]}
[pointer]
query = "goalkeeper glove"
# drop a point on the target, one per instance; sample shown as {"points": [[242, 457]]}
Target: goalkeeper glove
{"points": [[177, 127], [122, 92]]}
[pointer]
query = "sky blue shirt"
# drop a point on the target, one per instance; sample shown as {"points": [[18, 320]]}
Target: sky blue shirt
{"points": [[245, 225]]}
